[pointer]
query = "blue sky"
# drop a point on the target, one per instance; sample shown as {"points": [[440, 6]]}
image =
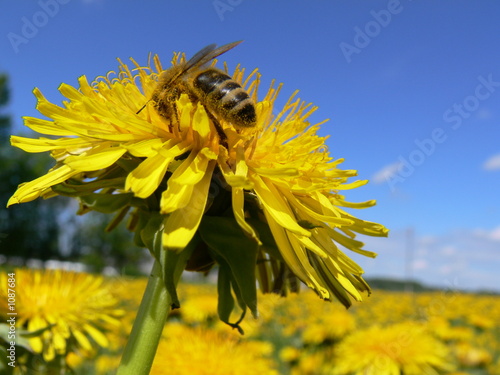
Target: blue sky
{"points": [[411, 88]]}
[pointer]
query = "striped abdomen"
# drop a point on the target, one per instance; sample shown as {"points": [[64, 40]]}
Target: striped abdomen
{"points": [[225, 97]]}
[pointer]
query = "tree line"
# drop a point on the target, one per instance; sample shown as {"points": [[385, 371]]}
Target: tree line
{"points": [[44, 230]]}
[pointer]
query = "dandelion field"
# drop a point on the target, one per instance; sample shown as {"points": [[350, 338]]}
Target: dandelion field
{"points": [[441, 332]]}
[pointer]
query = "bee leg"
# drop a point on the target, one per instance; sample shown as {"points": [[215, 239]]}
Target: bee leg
{"points": [[176, 115], [218, 127]]}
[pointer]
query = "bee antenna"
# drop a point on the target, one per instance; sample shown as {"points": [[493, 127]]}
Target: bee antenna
{"points": [[144, 106]]}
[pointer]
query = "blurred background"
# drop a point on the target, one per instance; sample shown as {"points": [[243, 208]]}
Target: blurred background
{"points": [[411, 88]]}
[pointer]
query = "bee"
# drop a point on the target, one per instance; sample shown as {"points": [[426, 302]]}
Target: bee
{"points": [[222, 97]]}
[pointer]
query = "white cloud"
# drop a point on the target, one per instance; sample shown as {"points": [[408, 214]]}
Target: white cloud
{"points": [[386, 173], [464, 259], [445, 269], [448, 250], [495, 234], [492, 163], [420, 264]]}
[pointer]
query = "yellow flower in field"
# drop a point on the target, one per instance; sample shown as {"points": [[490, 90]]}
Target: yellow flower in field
{"points": [[328, 327], [204, 352], [311, 363], [78, 308], [303, 316], [271, 198], [200, 309], [399, 349], [129, 290], [106, 364], [289, 354], [471, 356], [74, 360], [482, 320]]}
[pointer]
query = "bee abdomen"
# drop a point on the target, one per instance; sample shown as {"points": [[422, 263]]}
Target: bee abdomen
{"points": [[226, 97]]}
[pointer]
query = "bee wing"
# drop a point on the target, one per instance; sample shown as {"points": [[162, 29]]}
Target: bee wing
{"points": [[200, 55], [203, 56], [209, 53]]}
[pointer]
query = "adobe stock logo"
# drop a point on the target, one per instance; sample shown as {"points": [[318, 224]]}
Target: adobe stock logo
{"points": [[372, 29], [399, 171], [223, 6], [460, 111], [31, 26]]}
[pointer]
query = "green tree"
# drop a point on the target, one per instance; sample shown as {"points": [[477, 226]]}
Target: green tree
{"points": [[29, 230], [49, 229], [98, 249]]}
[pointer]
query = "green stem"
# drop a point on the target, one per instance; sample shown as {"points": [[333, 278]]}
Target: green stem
{"points": [[140, 351]]}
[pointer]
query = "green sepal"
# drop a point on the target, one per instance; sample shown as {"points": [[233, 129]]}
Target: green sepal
{"points": [[129, 163], [117, 219], [173, 263], [332, 283], [241, 303], [229, 244], [151, 232], [74, 188], [225, 302], [307, 224], [143, 218], [106, 203], [266, 237]]}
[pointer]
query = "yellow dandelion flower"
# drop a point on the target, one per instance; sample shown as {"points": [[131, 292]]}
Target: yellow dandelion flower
{"points": [[199, 309], [107, 364], [196, 351], [312, 320], [403, 348], [481, 321], [129, 290], [78, 308], [74, 360], [268, 196], [471, 356], [331, 326], [289, 354], [310, 363]]}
